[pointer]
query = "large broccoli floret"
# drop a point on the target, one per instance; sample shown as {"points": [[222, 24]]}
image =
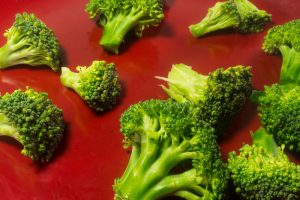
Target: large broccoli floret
{"points": [[252, 19], [240, 15], [222, 15], [33, 120], [97, 84], [263, 172], [218, 96], [31, 42], [286, 40], [279, 111], [120, 16], [173, 154], [279, 104]]}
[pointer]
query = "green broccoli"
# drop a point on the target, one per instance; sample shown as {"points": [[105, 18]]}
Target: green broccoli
{"points": [[97, 84], [284, 39], [30, 42], [279, 104], [174, 153], [263, 172], [218, 96], [222, 15], [120, 16], [240, 15], [33, 120]]}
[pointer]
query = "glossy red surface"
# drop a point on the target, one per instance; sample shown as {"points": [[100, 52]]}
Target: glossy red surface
{"points": [[91, 155]]}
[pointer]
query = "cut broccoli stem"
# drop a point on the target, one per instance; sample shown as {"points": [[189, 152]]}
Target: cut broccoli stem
{"points": [[69, 78], [290, 70], [117, 27], [262, 138], [6, 129], [185, 84]]}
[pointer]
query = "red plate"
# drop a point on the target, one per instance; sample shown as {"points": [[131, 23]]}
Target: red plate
{"points": [[91, 155]]}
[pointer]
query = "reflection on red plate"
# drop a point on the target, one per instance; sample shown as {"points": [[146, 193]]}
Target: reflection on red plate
{"points": [[91, 155]]}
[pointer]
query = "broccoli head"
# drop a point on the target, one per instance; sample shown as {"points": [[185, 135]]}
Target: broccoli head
{"points": [[120, 16], [30, 42], [284, 39], [98, 85], [263, 172], [222, 15], [218, 96], [174, 153], [252, 19], [279, 111], [33, 120]]}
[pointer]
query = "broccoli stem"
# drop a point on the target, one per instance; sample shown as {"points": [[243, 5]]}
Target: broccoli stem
{"points": [[186, 181], [14, 54], [262, 138], [69, 79], [135, 153], [6, 128], [7, 56], [186, 195], [290, 70], [216, 20], [149, 179], [117, 27]]}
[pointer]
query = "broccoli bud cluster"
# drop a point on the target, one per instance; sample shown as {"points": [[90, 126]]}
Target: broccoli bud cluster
{"points": [[32, 119], [31, 42]]}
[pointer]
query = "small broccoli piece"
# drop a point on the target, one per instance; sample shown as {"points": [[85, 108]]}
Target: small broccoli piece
{"points": [[285, 39], [30, 42], [222, 15], [218, 96], [252, 19], [98, 85], [279, 111], [263, 172], [33, 120], [165, 136], [120, 16], [240, 15]]}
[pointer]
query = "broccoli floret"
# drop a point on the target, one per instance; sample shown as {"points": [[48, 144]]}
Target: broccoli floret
{"points": [[218, 96], [279, 111], [120, 16], [285, 39], [33, 120], [263, 172], [278, 104], [30, 42], [173, 153], [240, 15], [252, 19], [98, 85], [222, 15]]}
